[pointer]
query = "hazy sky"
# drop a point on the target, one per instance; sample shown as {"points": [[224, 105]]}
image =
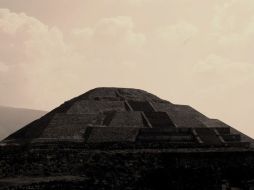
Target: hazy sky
{"points": [[188, 52]]}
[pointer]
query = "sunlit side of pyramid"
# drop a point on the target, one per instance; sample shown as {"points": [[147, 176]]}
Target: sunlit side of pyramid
{"points": [[119, 138]]}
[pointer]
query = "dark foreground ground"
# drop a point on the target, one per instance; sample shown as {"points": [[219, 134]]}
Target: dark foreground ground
{"points": [[92, 168]]}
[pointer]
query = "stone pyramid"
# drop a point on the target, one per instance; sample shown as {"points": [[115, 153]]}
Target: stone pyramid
{"points": [[128, 139], [122, 115]]}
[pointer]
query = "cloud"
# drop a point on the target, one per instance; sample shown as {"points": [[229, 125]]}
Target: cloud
{"points": [[231, 14], [233, 29], [38, 61], [220, 73], [220, 67], [116, 29], [27, 38], [113, 39], [29, 52], [119, 31], [177, 34]]}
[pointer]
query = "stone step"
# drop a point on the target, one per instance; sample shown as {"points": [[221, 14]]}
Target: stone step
{"points": [[223, 130], [159, 119], [239, 144], [173, 138], [208, 136], [110, 134], [62, 119], [165, 131], [231, 137], [141, 106]]}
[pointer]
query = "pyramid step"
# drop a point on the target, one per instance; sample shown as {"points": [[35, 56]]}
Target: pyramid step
{"points": [[173, 138], [157, 131], [159, 119], [110, 134], [162, 131], [231, 137], [208, 136], [223, 130], [141, 106], [239, 144], [61, 119]]}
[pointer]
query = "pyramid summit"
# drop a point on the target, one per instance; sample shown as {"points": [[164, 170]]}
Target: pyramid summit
{"points": [[123, 138]]}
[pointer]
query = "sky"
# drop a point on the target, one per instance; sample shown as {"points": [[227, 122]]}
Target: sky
{"points": [[198, 52]]}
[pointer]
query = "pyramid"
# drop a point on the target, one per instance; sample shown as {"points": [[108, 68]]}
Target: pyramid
{"points": [[121, 138], [107, 115]]}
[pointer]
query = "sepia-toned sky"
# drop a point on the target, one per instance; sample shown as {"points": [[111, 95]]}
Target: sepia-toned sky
{"points": [[198, 52]]}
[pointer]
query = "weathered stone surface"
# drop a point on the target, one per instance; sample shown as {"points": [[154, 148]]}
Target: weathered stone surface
{"points": [[95, 106], [111, 134], [127, 119]]}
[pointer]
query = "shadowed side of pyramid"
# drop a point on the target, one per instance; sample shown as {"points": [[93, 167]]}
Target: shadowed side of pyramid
{"points": [[120, 115]]}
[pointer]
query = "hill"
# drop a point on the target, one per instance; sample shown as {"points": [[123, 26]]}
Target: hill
{"points": [[11, 119]]}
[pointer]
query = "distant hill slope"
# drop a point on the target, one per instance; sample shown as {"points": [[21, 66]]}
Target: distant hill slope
{"points": [[12, 119]]}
